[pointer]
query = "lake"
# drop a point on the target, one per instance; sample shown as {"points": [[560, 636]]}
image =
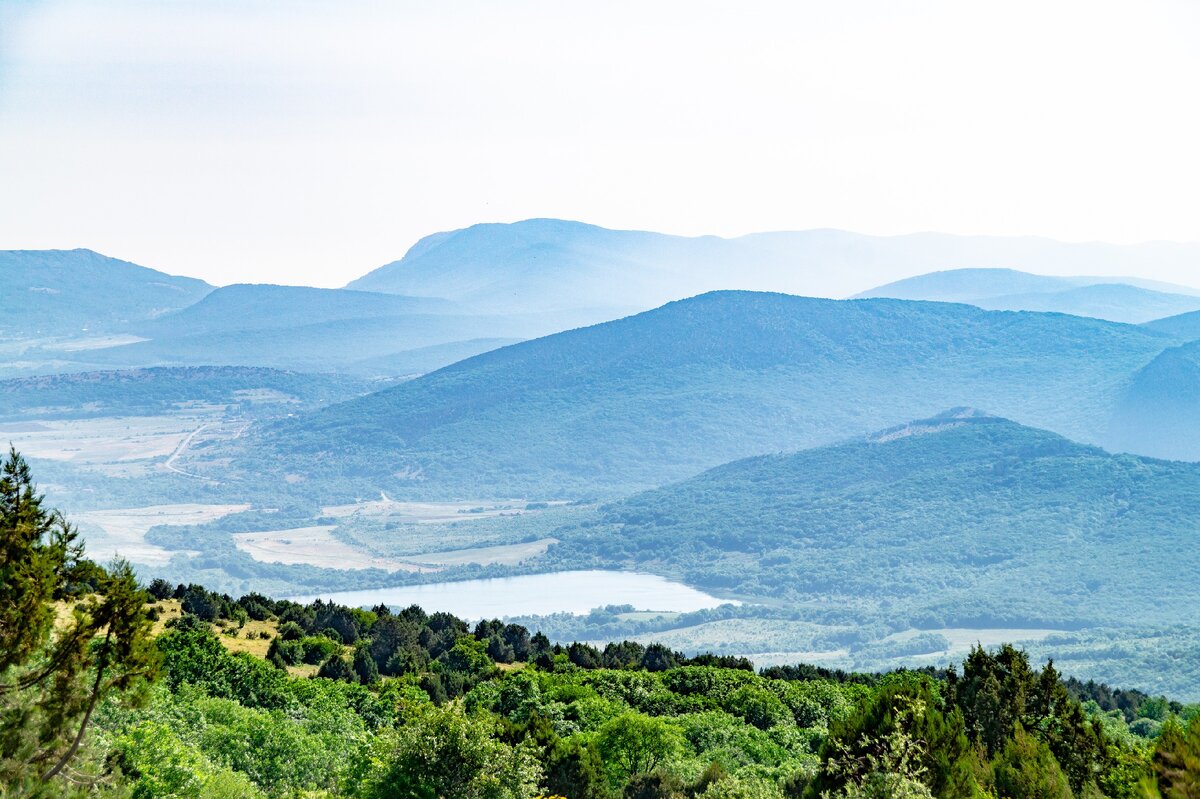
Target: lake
{"points": [[574, 592]]}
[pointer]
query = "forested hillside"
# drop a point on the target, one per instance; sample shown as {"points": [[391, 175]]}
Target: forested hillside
{"points": [[964, 520], [113, 689], [662, 395]]}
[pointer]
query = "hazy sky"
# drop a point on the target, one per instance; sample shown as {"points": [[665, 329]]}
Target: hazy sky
{"points": [[305, 142]]}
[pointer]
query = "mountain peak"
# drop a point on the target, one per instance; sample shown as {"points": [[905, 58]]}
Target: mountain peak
{"points": [[946, 420]]}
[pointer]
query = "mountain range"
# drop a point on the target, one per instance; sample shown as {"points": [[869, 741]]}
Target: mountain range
{"points": [[1116, 299], [558, 264], [667, 393]]}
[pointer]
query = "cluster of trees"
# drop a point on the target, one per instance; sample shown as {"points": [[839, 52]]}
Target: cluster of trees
{"points": [[365, 645], [91, 704]]}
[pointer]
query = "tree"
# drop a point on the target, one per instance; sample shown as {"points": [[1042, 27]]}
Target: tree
{"points": [[637, 744], [443, 752], [896, 738], [336, 668], [53, 676], [1026, 769], [365, 667], [1176, 762], [1000, 691]]}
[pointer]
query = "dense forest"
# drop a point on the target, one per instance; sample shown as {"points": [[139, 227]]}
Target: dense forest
{"points": [[111, 688]]}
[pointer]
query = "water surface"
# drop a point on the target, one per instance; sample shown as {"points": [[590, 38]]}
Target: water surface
{"points": [[534, 595]]}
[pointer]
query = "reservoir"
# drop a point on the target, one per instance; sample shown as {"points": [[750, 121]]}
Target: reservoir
{"points": [[575, 592]]}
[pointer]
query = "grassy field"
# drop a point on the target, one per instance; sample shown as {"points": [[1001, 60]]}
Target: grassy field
{"points": [[122, 531], [315, 546]]}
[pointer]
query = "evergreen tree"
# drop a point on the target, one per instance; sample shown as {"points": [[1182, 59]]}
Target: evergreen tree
{"points": [[898, 737], [1176, 762], [52, 676]]}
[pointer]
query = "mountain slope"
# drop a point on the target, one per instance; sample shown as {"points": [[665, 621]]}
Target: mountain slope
{"points": [[667, 393], [1115, 299], [78, 292], [256, 307], [1159, 413], [551, 263], [967, 285], [1183, 326], [963, 520], [160, 390], [337, 345]]}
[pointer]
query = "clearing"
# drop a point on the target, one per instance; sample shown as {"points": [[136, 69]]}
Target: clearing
{"points": [[123, 531]]}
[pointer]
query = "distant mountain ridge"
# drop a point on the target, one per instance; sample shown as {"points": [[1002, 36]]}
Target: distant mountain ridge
{"points": [[81, 292], [1185, 326], [561, 264], [244, 306], [667, 393], [1116, 299]]}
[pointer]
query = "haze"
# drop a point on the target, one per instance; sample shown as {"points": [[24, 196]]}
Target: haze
{"points": [[308, 143]]}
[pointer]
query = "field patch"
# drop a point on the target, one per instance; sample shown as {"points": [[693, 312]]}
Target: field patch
{"points": [[314, 546], [123, 531], [429, 512], [962, 639], [507, 554]]}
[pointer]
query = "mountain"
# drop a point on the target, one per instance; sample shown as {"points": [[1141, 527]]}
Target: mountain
{"points": [[80, 292], [1159, 413], [1183, 326], [667, 393], [258, 307], [557, 264], [963, 520], [968, 285], [1115, 299], [154, 391], [309, 329], [335, 346]]}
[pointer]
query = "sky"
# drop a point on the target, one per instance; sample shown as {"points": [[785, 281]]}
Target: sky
{"points": [[308, 143]]}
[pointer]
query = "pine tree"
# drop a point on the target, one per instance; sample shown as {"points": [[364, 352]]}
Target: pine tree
{"points": [[53, 674]]}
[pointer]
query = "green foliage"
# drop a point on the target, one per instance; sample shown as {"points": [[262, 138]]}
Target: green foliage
{"points": [[1000, 693], [899, 736], [1176, 763], [443, 752], [633, 744], [52, 678], [161, 764], [1026, 769]]}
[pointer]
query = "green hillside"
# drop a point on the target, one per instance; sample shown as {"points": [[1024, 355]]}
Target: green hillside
{"points": [[960, 521], [665, 394], [80, 292]]}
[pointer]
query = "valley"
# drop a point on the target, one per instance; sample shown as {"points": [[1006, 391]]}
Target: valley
{"points": [[421, 443]]}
